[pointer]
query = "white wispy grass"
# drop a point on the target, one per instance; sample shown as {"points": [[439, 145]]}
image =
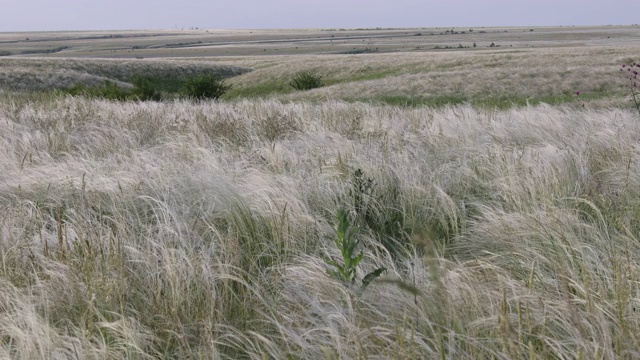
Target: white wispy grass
{"points": [[143, 230]]}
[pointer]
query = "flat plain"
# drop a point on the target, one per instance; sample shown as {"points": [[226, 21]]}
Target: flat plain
{"points": [[497, 184]]}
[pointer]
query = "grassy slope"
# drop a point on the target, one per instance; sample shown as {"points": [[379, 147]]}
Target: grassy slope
{"points": [[32, 74], [547, 65], [487, 78], [141, 230]]}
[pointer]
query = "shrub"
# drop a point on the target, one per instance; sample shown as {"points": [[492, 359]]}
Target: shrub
{"points": [[306, 80], [144, 89], [205, 87], [152, 88], [109, 90], [76, 90]]}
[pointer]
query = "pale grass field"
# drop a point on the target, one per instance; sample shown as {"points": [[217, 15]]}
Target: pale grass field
{"points": [[225, 42], [180, 229], [484, 76], [184, 230], [547, 65]]}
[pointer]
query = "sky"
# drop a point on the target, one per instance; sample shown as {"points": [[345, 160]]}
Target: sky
{"points": [[54, 15]]}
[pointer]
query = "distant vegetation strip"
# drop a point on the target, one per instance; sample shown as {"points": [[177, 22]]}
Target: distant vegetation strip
{"points": [[44, 51], [51, 74]]}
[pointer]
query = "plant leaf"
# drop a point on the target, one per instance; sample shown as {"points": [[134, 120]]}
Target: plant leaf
{"points": [[331, 262], [372, 276], [356, 260], [334, 274]]}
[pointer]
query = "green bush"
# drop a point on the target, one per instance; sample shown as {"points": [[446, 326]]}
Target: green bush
{"points": [[205, 87], [306, 80], [149, 89], [144, 90], [76, 90], [109, 91]]}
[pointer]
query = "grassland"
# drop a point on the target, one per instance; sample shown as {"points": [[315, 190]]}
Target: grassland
{"points": [[490, 78], [225, 43], [546, 65], [503, 206], [42, 74]]}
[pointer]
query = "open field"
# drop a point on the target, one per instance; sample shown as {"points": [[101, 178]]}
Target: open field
{"points": [[546, 65], [483, 78], [503, 206], [213, 42]]}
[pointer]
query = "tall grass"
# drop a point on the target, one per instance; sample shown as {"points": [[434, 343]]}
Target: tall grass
{"points": [[35, 74], [182, 230], [491, 78]]}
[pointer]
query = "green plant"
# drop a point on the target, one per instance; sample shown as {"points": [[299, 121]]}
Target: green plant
{"points": [[151, 88], [205, 87], [306, 80], [347, 243], [361, 192], [76, 90], [109, 90], [631, 71], [378, 208], [144, 90]]}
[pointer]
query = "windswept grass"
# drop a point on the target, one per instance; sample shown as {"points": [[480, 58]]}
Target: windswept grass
{"points": [[182, 230], [487, 78], [33, 74]]}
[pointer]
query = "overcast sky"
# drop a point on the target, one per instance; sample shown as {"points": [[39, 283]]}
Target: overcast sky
{"points": [[38, 15]]}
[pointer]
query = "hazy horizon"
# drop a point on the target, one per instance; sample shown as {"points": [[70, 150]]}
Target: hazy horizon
{"points": [[57, 15]]}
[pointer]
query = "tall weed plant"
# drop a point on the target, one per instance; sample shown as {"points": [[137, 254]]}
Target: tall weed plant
{"points": [[346, 241]]}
